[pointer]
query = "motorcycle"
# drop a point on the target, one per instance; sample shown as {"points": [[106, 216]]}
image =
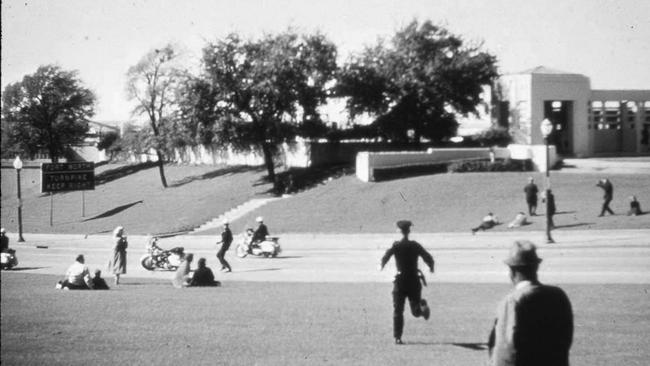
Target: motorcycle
{"points": [[269, 248], [168, 260], [8, 259]]}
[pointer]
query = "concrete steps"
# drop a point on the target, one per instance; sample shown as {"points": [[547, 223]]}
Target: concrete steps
{"points": [[234, 213]]}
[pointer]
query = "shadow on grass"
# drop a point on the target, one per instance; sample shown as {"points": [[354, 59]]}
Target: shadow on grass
{"points": [[480, 346], [117, 173], [299, 179], [114, 211], [261, 270], [215, 173], [26, 268], [574, 225], [564, 212]]}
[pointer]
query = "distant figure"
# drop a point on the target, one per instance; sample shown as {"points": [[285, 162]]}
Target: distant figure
{"points": [[77, 277], [203, 275], [98, 281], [635, 207], [520, 220], [531, 196], [534, 323], [4, 240], [117, 263], [606, 185], [226, 240], [182, 277], [407, 280], [488, 222], [550, 206]]}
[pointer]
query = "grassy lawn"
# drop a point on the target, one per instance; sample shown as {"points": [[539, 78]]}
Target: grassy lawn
{"points": [[244, 323], [453, 203], [436, 203], [133, 198]]}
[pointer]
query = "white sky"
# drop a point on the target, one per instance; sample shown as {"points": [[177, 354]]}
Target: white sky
{"points": [[606, 40]]}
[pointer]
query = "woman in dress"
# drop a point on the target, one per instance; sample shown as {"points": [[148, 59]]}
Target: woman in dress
{"points": [[118, 260]]}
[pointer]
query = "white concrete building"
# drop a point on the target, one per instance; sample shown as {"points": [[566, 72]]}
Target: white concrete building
{"points": [[587, 122]]}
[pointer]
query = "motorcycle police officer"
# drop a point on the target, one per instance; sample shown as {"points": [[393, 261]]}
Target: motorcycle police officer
{"points": [[407, 280]]}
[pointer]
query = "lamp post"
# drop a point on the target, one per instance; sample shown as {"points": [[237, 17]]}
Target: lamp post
{"points": [[18, 165], [547, 128]]}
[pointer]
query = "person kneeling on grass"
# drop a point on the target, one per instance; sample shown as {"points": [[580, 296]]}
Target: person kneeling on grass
{"points": [[203, 275], [77, 277], [182, 277]]}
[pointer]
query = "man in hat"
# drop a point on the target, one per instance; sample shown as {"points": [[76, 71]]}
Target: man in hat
{"points": [[407, 280], [226, 240], [534, 324]]}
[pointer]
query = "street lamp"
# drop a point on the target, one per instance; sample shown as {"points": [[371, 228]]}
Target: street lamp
{"points": [[18, 164], [547, 128]]}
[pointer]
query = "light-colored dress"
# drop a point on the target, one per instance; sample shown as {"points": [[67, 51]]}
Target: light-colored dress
{"points": [[118, 260], [182, 276]]}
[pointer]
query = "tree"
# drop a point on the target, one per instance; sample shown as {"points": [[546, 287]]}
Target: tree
{"points": [[153, 83], [264, 92], [46, 110], [417, 82]]}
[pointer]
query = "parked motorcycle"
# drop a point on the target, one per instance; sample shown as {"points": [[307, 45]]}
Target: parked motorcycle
{"points": [[168, 260], [8, 259], [268, 248]]}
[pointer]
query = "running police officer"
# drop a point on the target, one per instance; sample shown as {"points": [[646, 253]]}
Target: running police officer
{"points": [[407, 281]]}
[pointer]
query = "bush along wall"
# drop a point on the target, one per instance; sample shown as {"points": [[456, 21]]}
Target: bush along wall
{"points": [[504, 165]]}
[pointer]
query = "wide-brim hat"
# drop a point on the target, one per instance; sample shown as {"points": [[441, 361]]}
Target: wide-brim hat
{"points": [[522, 254], [404, 224]]}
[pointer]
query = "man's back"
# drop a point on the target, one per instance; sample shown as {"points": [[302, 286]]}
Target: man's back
{"points": [[541, 321]]}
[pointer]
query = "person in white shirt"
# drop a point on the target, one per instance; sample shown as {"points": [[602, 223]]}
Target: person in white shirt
{"points": [[77, 277]]}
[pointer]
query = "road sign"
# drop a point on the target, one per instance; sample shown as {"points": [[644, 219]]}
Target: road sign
{"points": [[61, 177]]}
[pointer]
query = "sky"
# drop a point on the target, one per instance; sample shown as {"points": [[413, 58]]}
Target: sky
{"points": [[606, 40]]}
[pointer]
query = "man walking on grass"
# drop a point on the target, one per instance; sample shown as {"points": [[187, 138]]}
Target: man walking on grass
{"points": [[226, 240], [407, 280], [534, 324]]}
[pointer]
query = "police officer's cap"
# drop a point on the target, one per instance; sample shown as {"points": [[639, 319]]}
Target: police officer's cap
{"points": [[404, 224]]}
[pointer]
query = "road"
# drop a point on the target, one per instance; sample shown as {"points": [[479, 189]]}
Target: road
{"points": [[611, 256]]}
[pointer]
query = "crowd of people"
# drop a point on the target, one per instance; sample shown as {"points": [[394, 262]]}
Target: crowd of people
{"points": [[531, 192]]}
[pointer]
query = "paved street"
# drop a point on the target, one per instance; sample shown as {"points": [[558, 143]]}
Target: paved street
{"points": [[612, 256]]}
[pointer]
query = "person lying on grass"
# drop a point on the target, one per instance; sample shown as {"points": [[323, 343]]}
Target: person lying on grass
{"points": [[488, 222]]}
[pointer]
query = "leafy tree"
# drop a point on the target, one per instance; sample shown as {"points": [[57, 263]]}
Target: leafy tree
{"points": [[264, 92], [46, 110], [109, 141], [153, 83], [417, 82]]}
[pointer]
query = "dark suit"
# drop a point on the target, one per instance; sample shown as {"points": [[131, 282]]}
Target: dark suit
{"points": [[608, 197], [531, 197], [407, 282], [534, 327], [226, 240]]}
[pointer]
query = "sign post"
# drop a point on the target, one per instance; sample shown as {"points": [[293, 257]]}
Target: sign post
{"points": [[65, 177]]}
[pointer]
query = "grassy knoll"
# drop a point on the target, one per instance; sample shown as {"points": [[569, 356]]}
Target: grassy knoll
{"points": [[453, 202], [436, 203], [243, 323], [133, 197]]}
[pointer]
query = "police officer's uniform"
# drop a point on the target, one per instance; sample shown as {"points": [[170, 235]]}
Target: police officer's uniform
{"points": [[407, 281]]}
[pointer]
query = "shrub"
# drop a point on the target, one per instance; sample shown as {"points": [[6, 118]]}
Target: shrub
{"points": [[507, 165]]}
